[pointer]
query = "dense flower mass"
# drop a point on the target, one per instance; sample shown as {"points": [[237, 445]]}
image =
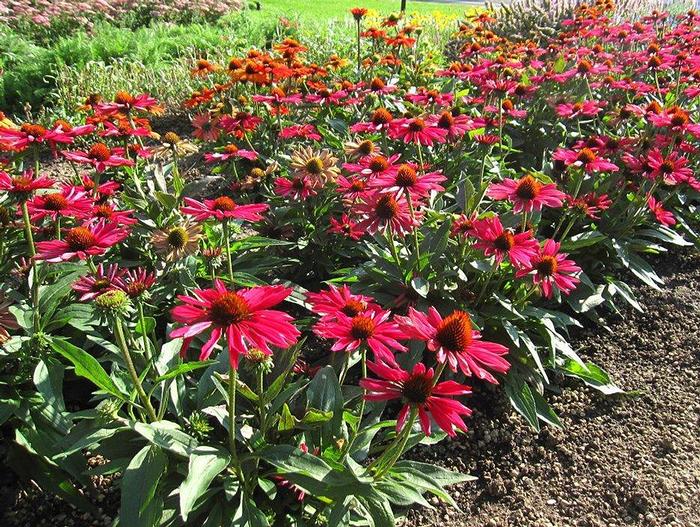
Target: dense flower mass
{"points": [[354, 230]]}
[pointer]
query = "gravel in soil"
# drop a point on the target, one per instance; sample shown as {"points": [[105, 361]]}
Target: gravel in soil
{"points": [[620, 461]]}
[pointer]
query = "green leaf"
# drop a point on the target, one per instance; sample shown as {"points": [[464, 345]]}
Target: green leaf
{"points": [[592, 375], [638, 266], [167, 435], [150, 325], [324, 394], [579, 241], [138, 488], [521, 398], [86, 366], [204, 465], [183, 368], [287, 421], [379, 511]]}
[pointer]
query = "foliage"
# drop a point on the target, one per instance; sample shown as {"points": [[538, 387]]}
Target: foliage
{"points": [[263, 343]]}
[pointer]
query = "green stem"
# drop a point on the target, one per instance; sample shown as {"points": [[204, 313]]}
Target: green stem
{"points": [[415, 227], [392, 248], [142, 321], [32, 253], [228, 251], [363, 402], [232, 381], [121, 342]]}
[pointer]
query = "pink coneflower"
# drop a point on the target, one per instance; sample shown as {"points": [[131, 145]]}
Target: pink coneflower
{"points": [[223, 208], [340, 300], [104, 190], [496, 241], [425, 97], [578, 109], [243, 317], [418, 390], [100, 156], [662, 215], [22, 187], [126, 103], [455, 125], [408, 180], [353, 189], [103, 279], [241, 123], [69, 202], [230, 152], [549, 268], [73, 131], [30, 134], [673, 169], [586, 159], [417, 130], [377, 86], [676, 120], [381, 120], [205, 127], [82, 242], [371, 328], [7, 320], [346, 226], [136, 282], [380, 212], [374, 166], [302, 131], [107, 212], [298, 187], [526, 194], [463, 225], [124, 129], [455, 342]]}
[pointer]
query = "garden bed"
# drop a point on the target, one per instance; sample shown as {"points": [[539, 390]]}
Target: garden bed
{"points": [[628, 460]]}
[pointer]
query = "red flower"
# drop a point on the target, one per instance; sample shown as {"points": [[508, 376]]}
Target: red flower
{"points": [[107, 212], [99, 156], [381, 120], [371, 328], [345, 226], [333, 301], [549, 268], [81, 242], [138, 281], [28, 134], [579, 109], [527, 194], [673, 169], [23, 186], [417, 131], [496, 241], [304, 131], [296, 188], [417, 389], [380, 212], [222, 208], [662, 215], [242, 316], [68, 202], [125, 103], [94, 284], [408, 180], [358, 13], [455, 342], [586, 159], [374, 166], [229, 152]]}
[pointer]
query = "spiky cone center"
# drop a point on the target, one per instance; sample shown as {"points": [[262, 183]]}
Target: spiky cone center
{"points": [[454, 333], [387, 208], [365, 148], [406, 176], [229, 308], [547, 266], [171, 138], [123, 97], [416, 389], [377, 84], [378, 164], [80, 238], [178, 237], [528, 188], [446, 121], [362, 327], [314, 166], [55, 202], [99, 152], [416, 125], [381, 116], [35, 130], [224, 204], [505, 241], [353, 308], [585, 156]]}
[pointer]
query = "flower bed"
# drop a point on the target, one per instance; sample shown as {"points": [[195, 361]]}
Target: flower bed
{"points": [[387, 229]]}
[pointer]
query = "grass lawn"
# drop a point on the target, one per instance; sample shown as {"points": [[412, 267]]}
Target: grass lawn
{"points": [[324, 10]]}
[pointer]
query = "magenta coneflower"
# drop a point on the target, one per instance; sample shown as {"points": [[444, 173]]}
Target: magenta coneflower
{"points": [[340, 300], [25, 185], [408, 180], [69, 202], [662, 215], [381, 121], [230, 152], [29, 134], [371, 328], [353, 189], [205, 127], [673, 168], [82, 242], [100, 156], [578, 109], [586, 159], [380, 212], [455, 125], [496, 241], [417, 130], [298, 187], [223, 208], [107, 212], [418, 390], [301, 131], [243, 317], [94, 284], [136, 282], [346, 226], [527, 194], [549, 268], [374, 166], [456, 343]]}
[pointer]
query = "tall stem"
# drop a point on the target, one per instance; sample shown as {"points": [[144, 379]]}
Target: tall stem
{"points": [[142, 321], [232, 381], [32, 253], [121, 342], [228, 251]]}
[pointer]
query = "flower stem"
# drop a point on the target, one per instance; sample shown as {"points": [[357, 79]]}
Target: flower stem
{"points": [[32, 253], [232, 381], [362, 403], [121, 342], [142, 321], [392, 454], [228, 251]]}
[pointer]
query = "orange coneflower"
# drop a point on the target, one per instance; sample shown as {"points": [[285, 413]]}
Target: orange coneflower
{"points": [[203, 68]]}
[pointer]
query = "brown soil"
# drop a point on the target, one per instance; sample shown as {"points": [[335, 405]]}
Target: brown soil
{"points": [[620, 461]]}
